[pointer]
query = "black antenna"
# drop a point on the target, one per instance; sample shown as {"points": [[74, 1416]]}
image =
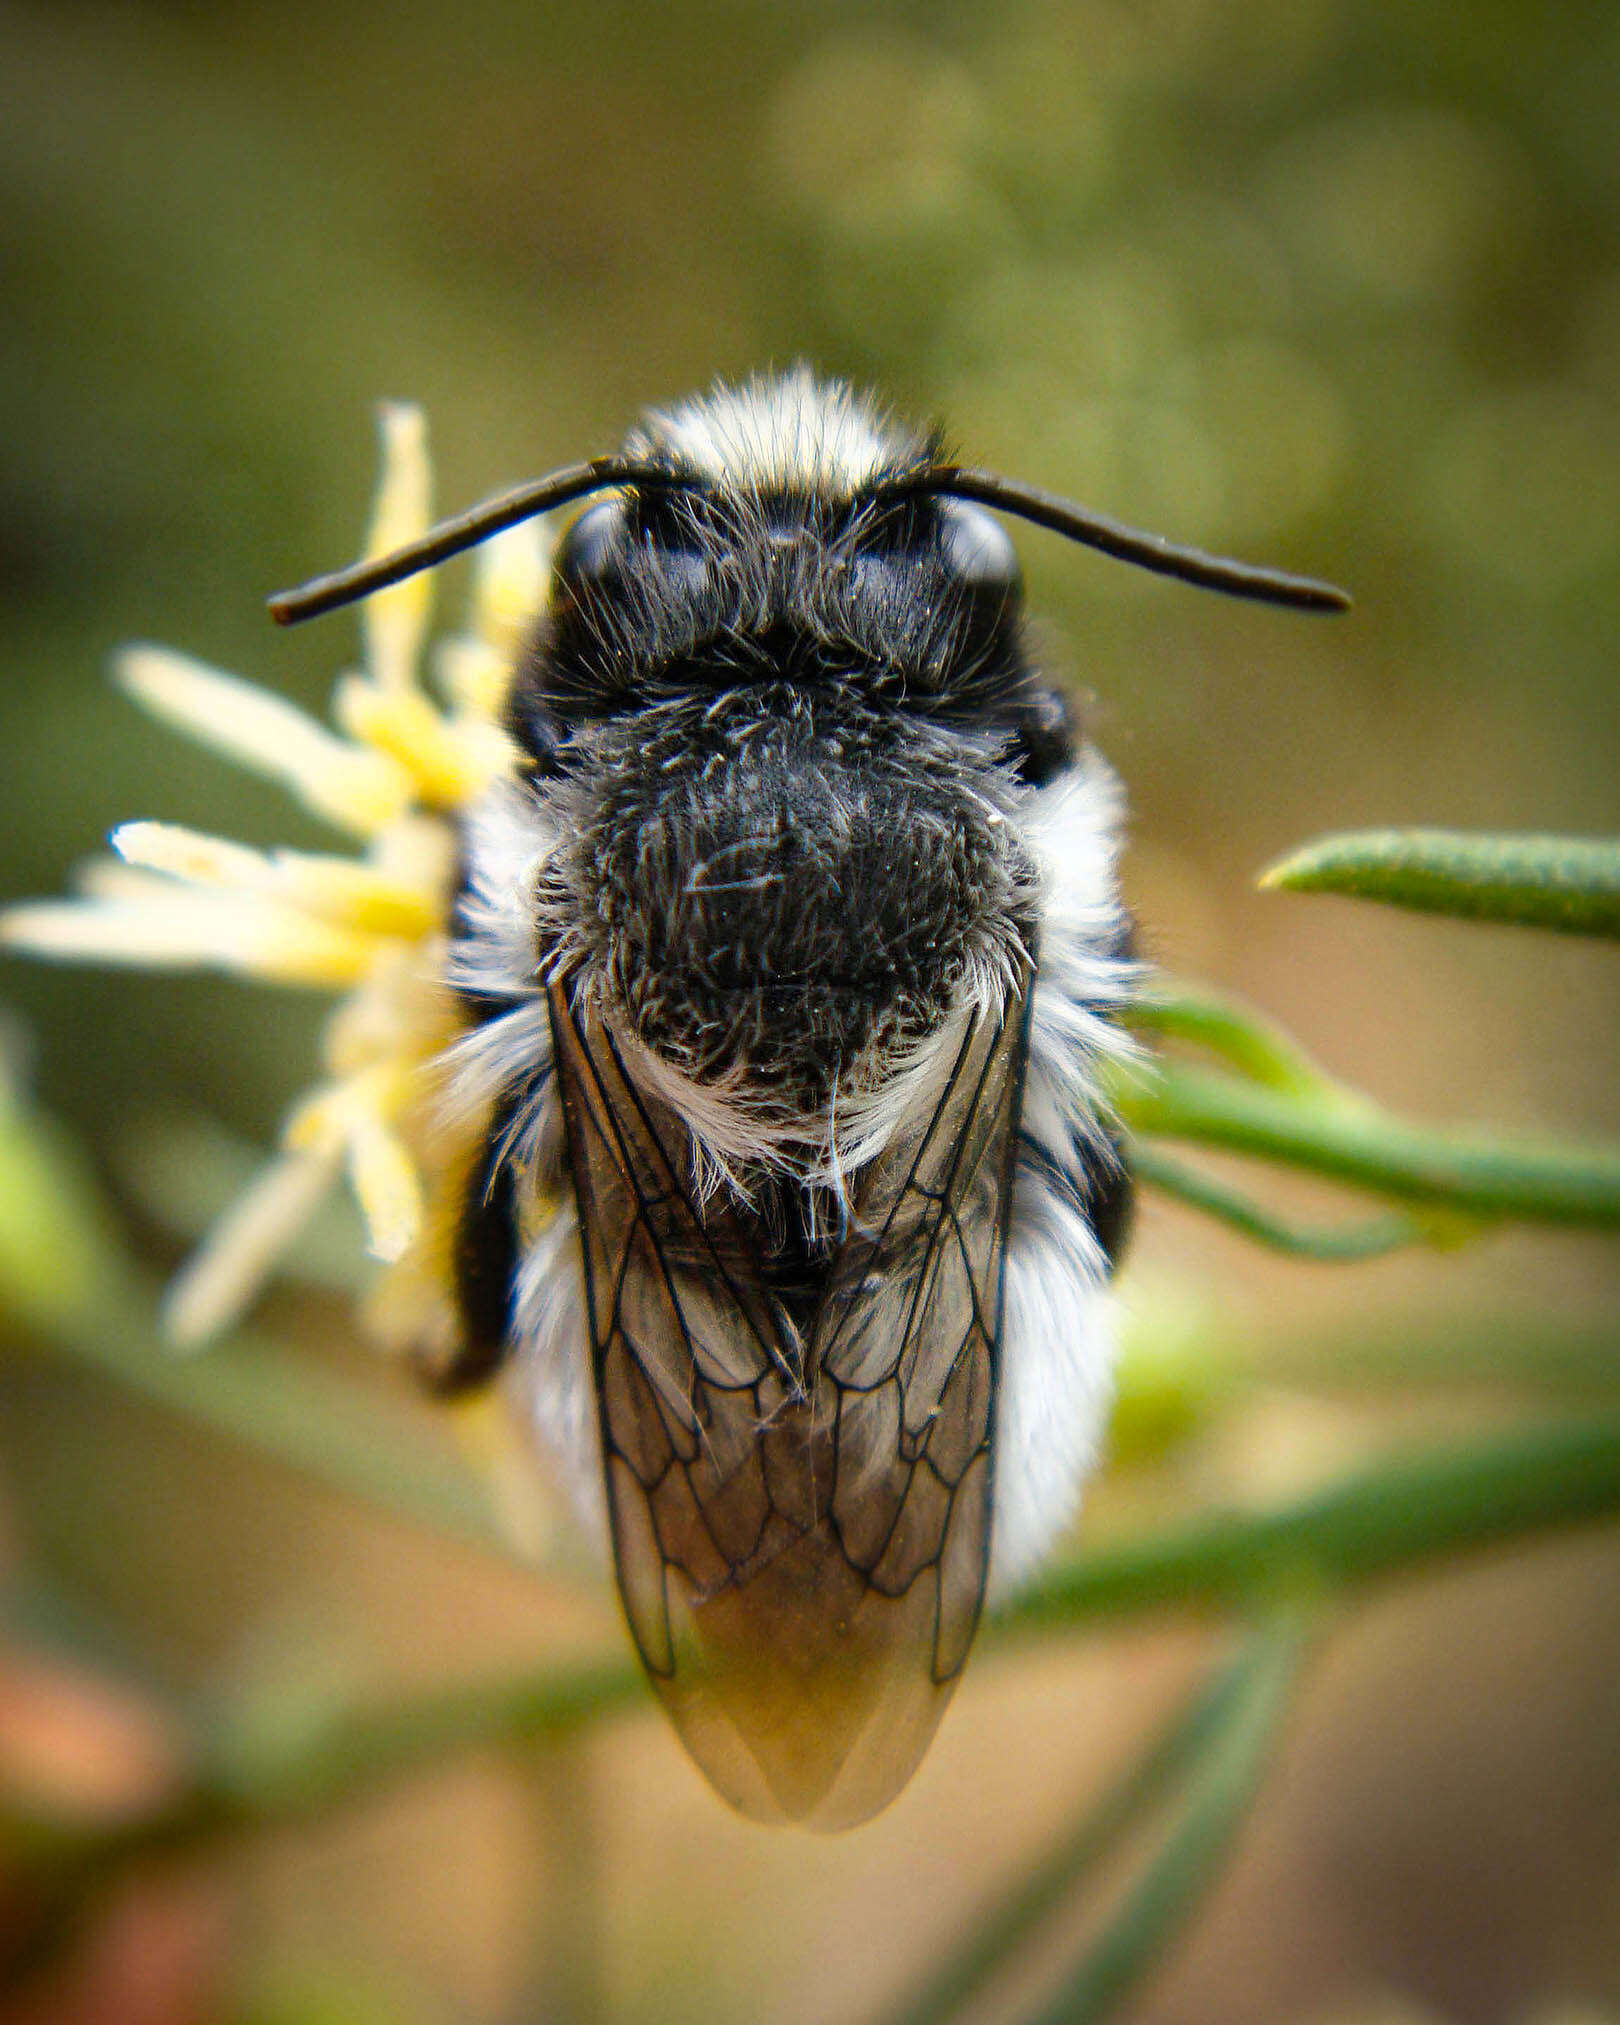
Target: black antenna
{"points": [[450, 537], [1044, 509], [1129, 544]]}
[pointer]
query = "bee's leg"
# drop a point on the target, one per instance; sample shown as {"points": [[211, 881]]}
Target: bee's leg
{"points": [[483, 1259], [1110, 1198]]}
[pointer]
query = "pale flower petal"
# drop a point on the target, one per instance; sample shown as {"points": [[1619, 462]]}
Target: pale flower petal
{"points": [[356, 789], [394, 620], [222, 1277], [193, 855], [321, 1120], [510, 585], [158, 925], [345, 892], [80, 931], [419, 851], [400, 1017], [474, 669], [387, 1186], [472, 677]]}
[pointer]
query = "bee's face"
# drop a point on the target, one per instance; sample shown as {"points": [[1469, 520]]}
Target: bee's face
{"points": [[787, 722]]}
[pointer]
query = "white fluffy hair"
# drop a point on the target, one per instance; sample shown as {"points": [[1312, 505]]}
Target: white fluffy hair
{"points": [[788, 429], [1058, 1328]]}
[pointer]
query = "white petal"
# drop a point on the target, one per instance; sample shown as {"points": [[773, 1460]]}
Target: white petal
{"points": [[192, 855], [510, 586], [356, 789], [387, 1186], [163, 936], [368, 895], [472, 676], [223, 1275], [149, 921]]}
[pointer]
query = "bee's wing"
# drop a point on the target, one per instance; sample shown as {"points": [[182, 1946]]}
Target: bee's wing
{"points": [[801, 1532]]}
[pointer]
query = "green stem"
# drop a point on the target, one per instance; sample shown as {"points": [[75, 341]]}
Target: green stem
{"points": [[1544, 1356], [1234, 1032], [256, 1391], [1178, 1746], [240, 1780], [1355, 1142], [1571, 884], [1222, 1789], [247, 1782], [1386, 1519], [1368, 1239]]}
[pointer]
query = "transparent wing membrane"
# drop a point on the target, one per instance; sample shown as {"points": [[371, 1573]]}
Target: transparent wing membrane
{"points": [[801, 1525]]}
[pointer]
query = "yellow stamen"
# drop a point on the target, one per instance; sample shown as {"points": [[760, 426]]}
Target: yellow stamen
{"points": [[448, 771]]}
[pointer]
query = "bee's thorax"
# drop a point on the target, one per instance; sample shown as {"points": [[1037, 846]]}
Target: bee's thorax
{"points": [[780, 890]]}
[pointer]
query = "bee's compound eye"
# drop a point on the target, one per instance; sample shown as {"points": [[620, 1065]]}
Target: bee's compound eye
{"points": [[977, 549], [590, 552]]}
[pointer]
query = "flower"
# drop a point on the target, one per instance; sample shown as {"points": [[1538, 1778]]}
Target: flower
{"points": [[371, 924]]}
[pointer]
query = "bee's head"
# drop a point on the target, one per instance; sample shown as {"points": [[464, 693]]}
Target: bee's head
{"points": [[911, 602], [781, 709], [780, 714]]}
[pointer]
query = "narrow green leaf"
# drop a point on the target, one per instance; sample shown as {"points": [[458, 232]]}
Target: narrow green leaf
{"points": [[1179, 1745], [240, 1781], [1223, 1786], [1571, 884], [1539, 1354], [1487, 1175], [1393, 1516], [359, 1748], [1256, 1047], [1370, 1238]]}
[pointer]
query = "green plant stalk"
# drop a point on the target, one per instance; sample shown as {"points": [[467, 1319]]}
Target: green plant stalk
{"points": [[238, 1780], [1569, 884], [1223, 1786], [1239, 1036], [1179, 1745], [283, 1406], [1481, 1175], [1545, 1357], [1379, 1522], [247, 1783], [1371, 1238]]}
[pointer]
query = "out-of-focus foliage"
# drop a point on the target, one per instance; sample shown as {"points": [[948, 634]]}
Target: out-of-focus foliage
{"points": [[1330, 285]]}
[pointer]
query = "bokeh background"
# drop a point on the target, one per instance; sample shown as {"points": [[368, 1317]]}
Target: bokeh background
{"points": [[1325, 284]]}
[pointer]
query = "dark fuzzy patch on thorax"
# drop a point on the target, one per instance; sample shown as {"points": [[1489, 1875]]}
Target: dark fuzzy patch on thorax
{"points": [[782, 879]]}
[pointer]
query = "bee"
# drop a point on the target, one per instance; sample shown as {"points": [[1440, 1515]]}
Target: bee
{"points": [[793, 959]]}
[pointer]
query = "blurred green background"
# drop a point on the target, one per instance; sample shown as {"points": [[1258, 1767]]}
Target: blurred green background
{"points": [[1328, 285]]}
